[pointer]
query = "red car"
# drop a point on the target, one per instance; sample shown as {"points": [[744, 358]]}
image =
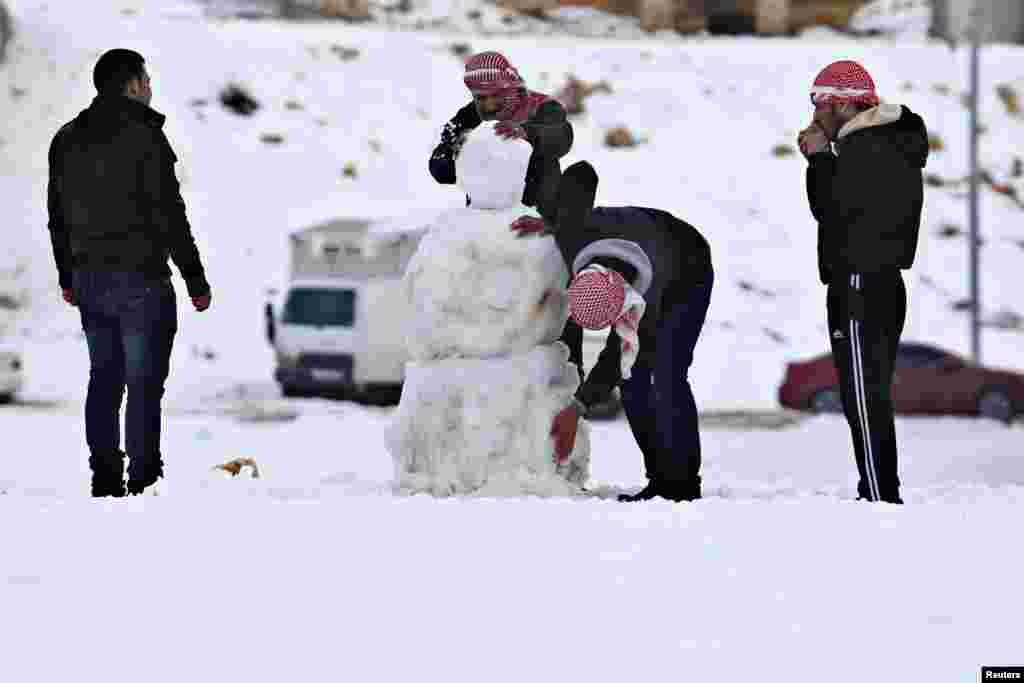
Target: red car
{"points": [[928, 381]]}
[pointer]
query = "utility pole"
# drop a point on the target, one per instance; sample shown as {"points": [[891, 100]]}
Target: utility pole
{"points": [[974, 31]]}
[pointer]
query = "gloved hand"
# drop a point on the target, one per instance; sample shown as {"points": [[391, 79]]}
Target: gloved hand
{"points": [[458, 140], [510, 131], [812, 140], [524, 226], [68, 296], [563, 431]]}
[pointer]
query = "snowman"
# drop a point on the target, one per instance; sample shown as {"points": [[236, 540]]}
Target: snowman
{"points": [[487, 373]]}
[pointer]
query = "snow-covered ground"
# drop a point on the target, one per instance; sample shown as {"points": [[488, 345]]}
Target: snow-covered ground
{"points": [[316, 570]]}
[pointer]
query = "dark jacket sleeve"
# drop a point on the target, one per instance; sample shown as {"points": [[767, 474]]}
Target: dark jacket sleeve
{"points": [[605, 375], [549, 131], [169, 219], [60, 238], [821, 194], [442, 160]]}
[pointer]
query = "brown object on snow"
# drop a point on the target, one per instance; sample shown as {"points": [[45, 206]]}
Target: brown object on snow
{"points": [[531, 7], [620, 137], [807, 13], [771, 17], [573, 93], [235, 466], [657, 15], [1010, 98], [345, 9]]}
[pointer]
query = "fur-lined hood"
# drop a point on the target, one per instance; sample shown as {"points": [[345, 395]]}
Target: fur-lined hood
{"points": [[907, 128]]}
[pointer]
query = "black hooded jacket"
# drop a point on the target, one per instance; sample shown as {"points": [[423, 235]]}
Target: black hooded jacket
{"points": [[547, 130], [114, 201], [661, 257], [868, 198]]}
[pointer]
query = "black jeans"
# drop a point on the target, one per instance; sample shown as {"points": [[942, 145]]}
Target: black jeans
{"points": [[866, 313], [658, 399], [129, 321]]}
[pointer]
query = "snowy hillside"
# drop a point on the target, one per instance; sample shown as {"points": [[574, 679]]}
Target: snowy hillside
{"points": [[709, 113]]}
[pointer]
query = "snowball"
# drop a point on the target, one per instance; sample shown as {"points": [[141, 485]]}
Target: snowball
{"points": [[474, 289], [492, 170], [482, 427]]}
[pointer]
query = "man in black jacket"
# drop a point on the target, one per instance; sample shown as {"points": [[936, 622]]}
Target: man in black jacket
{"points": [[867, 198], [116, 215], [667, 263]]}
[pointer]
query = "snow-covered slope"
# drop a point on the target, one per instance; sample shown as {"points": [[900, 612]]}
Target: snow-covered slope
{"points": [[709, 113]]}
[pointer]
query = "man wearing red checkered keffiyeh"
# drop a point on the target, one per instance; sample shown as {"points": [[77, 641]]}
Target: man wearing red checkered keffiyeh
{"points": [[500, 94], [646, 276], [865, 188]]}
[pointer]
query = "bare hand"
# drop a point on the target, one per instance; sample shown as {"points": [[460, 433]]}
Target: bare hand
{"points": [[510, 131], [201, 303], [812, 140]]}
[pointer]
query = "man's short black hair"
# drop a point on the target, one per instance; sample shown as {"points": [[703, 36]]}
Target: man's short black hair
{"points": [[115, 69]]}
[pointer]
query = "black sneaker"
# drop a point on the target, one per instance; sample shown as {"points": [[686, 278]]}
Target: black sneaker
{"points": [[675, 491], [895, 501], [107, 475]]}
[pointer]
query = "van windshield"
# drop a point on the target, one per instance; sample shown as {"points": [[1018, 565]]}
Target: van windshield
{"points": [[320, 307]]}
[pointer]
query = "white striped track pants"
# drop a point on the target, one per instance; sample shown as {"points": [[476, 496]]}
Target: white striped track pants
{"points": [[866, 312]]}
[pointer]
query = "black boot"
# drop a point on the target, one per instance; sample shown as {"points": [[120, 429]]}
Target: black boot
{"points": [[151, 471], [676, 491], [107, 474]]}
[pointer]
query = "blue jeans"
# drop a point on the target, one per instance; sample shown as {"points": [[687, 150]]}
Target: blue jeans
{"points": [[658, 399], [129, 321]]}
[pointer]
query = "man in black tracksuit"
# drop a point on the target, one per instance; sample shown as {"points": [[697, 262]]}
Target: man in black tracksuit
{"points": [[867, 198], [667, 262], [116, 215]]}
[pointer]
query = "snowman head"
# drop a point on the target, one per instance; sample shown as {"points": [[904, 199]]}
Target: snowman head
{"points": [[491, 170]]}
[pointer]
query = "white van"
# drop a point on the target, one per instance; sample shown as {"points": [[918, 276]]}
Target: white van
{"points": [[337, 326]]}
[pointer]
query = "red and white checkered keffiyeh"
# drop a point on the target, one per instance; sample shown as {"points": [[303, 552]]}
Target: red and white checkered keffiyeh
{"points": [[844, 81], [599, 297], [490, 73]]}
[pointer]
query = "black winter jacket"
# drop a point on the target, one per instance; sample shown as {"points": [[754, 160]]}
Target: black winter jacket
{"points": [[660, 256], [114, 200], [868, 198], [548, 131]]}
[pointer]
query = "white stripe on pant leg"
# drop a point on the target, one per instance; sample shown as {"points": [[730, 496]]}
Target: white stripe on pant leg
{"points": [[862, 400], [870, 450], [862, 405], [857, 360]]}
